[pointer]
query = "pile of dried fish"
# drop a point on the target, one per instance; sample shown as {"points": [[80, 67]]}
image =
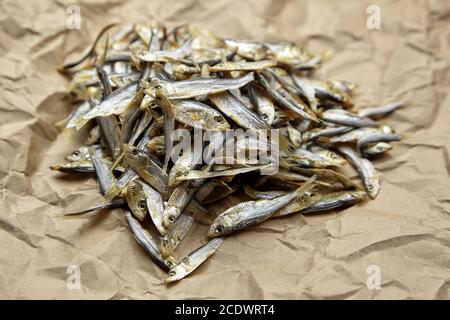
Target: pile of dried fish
{"points": [[139, 84]]}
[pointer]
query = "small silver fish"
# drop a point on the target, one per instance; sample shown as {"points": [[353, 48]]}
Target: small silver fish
{"points": [[114, 104], [148, 243], [178, 200], [325, 132], [264, 105], [376, 137], [236, 110], [193, 260], [199, 115], [346, 118], [105, 176], [335, 200], [246, 214], [376, 149], [175, 234], [242, 65], [380, 111], [147, 168], [198, 87], [366, 170]]}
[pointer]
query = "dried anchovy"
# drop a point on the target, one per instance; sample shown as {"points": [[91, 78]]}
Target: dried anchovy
{"points": [[138, 83]]}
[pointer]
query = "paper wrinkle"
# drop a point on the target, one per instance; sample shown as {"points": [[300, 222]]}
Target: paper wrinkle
{"points": [[405, 231]]}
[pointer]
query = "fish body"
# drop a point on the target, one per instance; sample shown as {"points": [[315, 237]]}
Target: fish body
{"points": [[137, 201], [242, 66], [178, 200], [114, 104], [380, 111], [343, 117], [193, 260], [264, 105], [175, 234], [147, 168], [249, 213], [185, 89], [236, 110], [366, 171], [148, 243], [199, 115], [334, 201], [105, 176]]}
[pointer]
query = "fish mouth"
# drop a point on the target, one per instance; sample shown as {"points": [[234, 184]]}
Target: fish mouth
{"points": [[55, 167]]}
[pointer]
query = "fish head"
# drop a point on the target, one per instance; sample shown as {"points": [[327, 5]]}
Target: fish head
{"points": [[377, 148], [135, 155], [153, 86], [174, 176], [385, 128], [354, 196], [176, 273], [170, 216], [334, 158], [157, 146], [80, 154], [221, 226], [166, 247], [372, 187], [215, 121], [170, 262], [268, 115], [136, 200]]}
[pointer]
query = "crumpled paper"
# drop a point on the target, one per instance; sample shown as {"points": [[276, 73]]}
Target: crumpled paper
{"points": [[404, 234]]}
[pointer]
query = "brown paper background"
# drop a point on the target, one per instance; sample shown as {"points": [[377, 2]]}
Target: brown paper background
{"points": [[405, 231]]}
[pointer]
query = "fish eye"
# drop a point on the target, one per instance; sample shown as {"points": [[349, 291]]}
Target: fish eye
{"points": [[75, 153], [171, 273], [134, 152], [160, 150], [142, 205], [213, 74], [219, 229], [171, 218], [218, 119], [369, 187], [152, 104], [264, 116]]}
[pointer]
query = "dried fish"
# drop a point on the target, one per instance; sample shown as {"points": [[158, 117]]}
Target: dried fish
{"points": [[249, 213], [366, 170], [221, 132], [197, 87], [193, 260], [334, 200], [148, 243]]}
